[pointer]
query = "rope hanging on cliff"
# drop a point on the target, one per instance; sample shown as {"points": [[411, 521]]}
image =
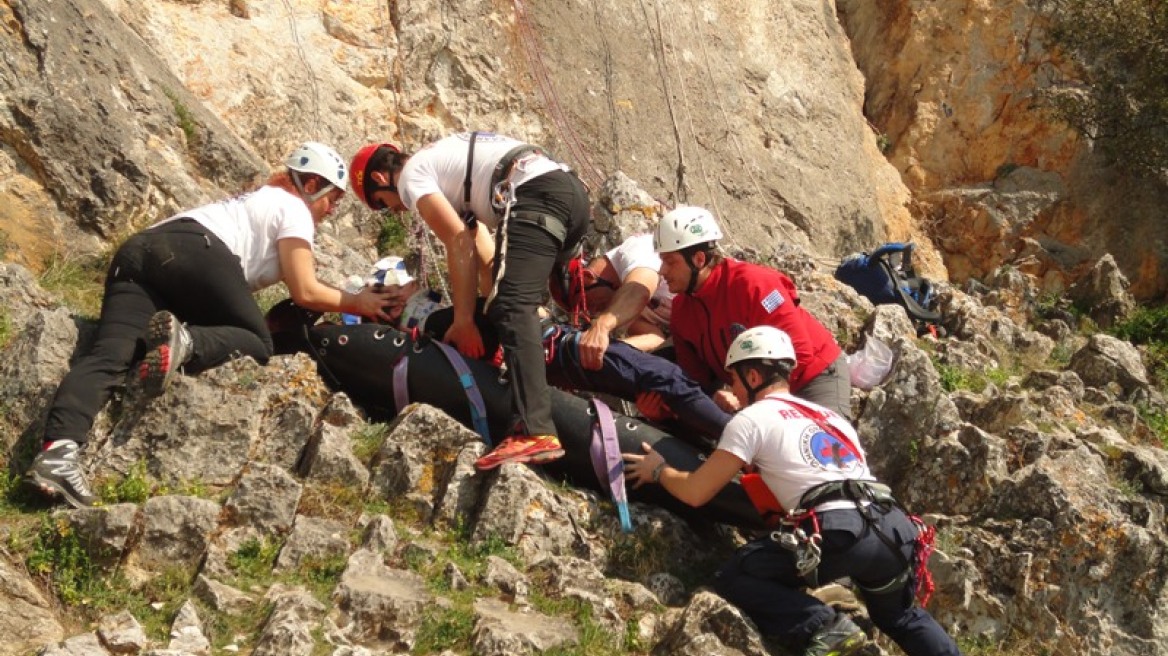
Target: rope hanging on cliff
{"points": [[659, 42], [616, 158], [307, 68], [748, 165], [547, 90], [392, 64]]}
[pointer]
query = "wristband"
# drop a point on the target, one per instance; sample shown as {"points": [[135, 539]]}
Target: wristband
{"points": [[656, 477]]}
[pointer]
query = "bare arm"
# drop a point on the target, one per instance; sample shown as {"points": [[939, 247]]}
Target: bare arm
{"points": [[627, 303], [694, 488], [463, 259], [298, 268]]}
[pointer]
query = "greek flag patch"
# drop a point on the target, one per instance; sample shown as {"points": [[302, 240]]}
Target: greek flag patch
{"points": [[772, 301]]}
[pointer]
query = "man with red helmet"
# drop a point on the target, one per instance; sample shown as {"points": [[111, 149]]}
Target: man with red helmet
{"points": [[462, 186]]}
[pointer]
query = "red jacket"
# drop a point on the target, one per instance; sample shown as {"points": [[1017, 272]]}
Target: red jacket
{"points": [[748, 295]]}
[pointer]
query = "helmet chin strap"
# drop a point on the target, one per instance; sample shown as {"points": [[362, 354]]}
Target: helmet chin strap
{"points": [[693, 274], [751, 392], [311, 198]]}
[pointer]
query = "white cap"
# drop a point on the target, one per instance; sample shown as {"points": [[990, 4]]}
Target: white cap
{"points": [[391, 271]]}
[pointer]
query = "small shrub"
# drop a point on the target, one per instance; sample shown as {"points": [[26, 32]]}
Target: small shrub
{"points": [[367, 441], [134, 487], [58, 556], [77, 281], [253, 561], [1148, 326], [445, 629], [1157, 423], [393, 235], [186, 119], [955, 378]]}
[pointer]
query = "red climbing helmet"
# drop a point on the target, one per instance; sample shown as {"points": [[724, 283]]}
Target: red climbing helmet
{"points": [[362, 186]]}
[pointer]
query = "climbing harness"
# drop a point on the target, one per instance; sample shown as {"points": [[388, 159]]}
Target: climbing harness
{"points": [[798, 529]]}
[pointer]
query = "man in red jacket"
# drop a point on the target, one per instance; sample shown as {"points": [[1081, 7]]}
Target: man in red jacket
{"points": [[719, 297]]}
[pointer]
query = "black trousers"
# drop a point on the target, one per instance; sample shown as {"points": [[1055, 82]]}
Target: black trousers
{"points": [[526, 251], [180, 267]]}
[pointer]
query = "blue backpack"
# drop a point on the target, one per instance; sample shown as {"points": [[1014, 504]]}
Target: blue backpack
{"points": [[886, 275]]}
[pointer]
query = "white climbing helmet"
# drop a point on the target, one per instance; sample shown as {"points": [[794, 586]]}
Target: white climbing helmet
{"points": [[390, 271], [319, 159], [761, 343], [421, 305], [685, 226]]}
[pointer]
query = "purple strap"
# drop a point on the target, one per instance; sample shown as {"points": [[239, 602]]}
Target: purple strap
{"points": [[401, 392], [607, 461], [478, 408]]}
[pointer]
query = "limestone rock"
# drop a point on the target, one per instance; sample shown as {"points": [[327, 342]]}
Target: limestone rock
{"points": [[27, 620]]}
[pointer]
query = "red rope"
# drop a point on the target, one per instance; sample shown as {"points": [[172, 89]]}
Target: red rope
{"points": [[926, 541], [547, 90]]}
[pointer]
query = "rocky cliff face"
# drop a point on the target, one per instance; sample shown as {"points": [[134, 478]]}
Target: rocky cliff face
{"points": [[952, 87], [1047, 485]]}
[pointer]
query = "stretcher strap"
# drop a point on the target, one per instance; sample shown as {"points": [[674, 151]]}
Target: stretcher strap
{"points": [[607, 461], [478, 409], [401, 392]]}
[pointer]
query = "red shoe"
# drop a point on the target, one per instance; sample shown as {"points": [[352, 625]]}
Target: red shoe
{"points": [[522, 448]]}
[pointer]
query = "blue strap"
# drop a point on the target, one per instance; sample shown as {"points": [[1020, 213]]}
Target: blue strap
{"points": [[401, 392], [607, 460], [478, 409]]}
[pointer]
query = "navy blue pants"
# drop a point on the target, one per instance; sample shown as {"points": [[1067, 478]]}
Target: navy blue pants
{"points": [[627, 371], [762, 580], [180, 267]]}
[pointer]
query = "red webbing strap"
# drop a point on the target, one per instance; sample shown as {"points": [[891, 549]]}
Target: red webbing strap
{"points": [[817, 417]]}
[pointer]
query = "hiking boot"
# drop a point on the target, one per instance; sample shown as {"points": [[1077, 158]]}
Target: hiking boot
{"points": [[169, 347], [57, 472], [528, 448], [838, 636]]}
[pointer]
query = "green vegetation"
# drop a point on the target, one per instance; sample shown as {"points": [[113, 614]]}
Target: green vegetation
{"points": [[1148, 326], [393, 235], [269, 296], [445, 628], [58, 555], [78, 281], [134, 487], [186, 120], [1013, 646], [1157, 423], [1121, 100], [367, 441], [252, 563], [5, 328]]}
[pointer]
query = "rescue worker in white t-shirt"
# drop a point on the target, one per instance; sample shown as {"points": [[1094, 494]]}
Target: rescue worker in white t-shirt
{"points": [[464, 186], [833, 519], [623, 296], [181, 293]]}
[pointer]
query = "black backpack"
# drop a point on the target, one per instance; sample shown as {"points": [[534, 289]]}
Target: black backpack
{"points": [[887, 276]]}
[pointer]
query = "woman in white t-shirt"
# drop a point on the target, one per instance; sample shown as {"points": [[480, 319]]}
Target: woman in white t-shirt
{"points": [[181, 292]]}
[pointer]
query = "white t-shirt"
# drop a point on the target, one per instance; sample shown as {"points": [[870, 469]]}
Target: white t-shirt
{"points": [[251, 224], [791, 452], [637, 252], [441, 168]]}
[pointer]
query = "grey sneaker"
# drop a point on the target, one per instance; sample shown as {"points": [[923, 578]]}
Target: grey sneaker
{"points": [[170, 347], [57, 472], [839, 636]]}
